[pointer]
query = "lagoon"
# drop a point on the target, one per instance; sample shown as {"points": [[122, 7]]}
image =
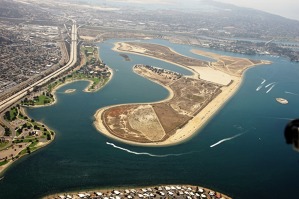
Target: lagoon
{"points": [[256, 163]]}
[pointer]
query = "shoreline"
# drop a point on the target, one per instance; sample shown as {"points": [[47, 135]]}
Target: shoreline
{"points": [[192, 127], [53, 92], [39, 146], [189, 130], [170, 190], [194, 73], [4, 167]]}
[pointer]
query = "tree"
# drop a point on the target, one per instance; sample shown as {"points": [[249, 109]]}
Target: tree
{"points": [[7, 115], [28, 150], [7, 131]]}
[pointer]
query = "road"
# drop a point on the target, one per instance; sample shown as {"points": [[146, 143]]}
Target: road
{"points": [[72, 61]]}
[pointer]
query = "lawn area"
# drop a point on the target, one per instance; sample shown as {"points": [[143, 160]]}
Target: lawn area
{"points": [[38, 100], [3, 163], [42, 100], [3, 144], [88, 49]]}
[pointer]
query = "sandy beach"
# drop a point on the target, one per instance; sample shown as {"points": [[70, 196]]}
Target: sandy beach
{"points": [[69, 91], [230, 85], [117, 45], [186, 132]]}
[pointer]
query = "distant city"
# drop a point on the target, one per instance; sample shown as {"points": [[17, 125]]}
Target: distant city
{"points": [[32, 34]]}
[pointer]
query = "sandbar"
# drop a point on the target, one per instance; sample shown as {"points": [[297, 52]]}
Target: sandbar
{"points": [[70, 91]]}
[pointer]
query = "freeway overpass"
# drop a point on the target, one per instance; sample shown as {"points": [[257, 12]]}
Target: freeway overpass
{"points": [[72, 61]]}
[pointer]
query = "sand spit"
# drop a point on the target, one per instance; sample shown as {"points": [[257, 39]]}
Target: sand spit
{"points": [[229, 78]]}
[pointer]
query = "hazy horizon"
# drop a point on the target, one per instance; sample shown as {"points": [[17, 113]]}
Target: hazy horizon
{"points": [[286, 8]]}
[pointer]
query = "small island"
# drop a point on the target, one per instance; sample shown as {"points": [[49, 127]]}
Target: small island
{"points": [[282, 101], [191, 103], [70, 91]]}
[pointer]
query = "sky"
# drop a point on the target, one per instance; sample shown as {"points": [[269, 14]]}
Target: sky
{"points": [[285, 8]]}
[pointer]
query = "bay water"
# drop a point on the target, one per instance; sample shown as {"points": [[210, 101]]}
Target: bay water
{"points": [[249, 157]]}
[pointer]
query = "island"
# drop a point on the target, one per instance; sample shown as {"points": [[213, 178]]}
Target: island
{"points": [[191, 103], [69, 91], [282, 101]]}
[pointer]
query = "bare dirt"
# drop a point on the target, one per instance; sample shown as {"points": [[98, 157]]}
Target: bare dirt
{"points": [[158, 121]]}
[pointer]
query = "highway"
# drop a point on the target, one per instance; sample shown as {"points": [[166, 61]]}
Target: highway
{"points": [[72, 61]]}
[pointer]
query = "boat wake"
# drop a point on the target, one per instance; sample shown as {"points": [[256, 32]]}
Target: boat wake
{"points": [[259, 88], [261, 85], [280, 118], [226, 139], [270, 84], [145, 153], [291, 93], [271, 88]]}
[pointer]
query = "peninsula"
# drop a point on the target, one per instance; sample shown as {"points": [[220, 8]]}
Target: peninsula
{"points": [[192, 101], [27, 135]]}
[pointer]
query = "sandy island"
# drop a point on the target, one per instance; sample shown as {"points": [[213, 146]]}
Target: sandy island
{"points": [[226, 72], [70, 91]]}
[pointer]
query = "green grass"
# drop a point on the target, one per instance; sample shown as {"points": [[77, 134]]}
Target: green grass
{"points": [[3, 144], [42, 100], [23, 152], [3, 162], [11, 113], [89, 49], [20, 116]]}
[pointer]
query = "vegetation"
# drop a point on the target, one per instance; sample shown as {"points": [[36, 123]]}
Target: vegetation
{"points": [[43, 99], [3, 162], [11, 115], [3, 144], [7, 131]]}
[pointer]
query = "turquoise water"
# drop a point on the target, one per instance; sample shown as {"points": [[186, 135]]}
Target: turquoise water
{"points": [[256, 163]]}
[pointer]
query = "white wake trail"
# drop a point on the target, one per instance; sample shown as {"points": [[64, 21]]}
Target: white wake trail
{"points": [[226, 139], [261, 85], [291, 93], [145, 153], [259, 88], [270, 84], [270, 88], [281, 118]]}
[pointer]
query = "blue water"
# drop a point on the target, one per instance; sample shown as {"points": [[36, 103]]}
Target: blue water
{"points": [[257, 163]]}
